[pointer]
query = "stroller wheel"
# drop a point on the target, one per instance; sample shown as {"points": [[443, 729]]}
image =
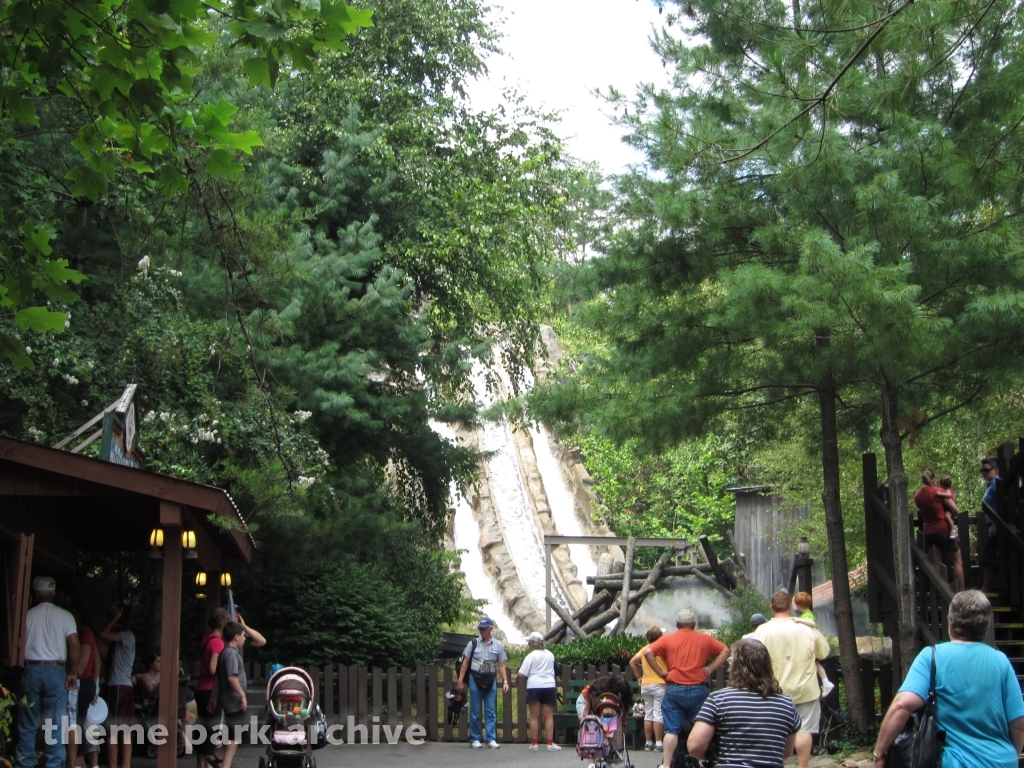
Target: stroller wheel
{"points": [[151, 750], [312, 762], [263, 761]]}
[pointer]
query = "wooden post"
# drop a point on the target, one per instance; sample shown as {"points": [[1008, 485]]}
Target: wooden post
{"points": [[547, 586], [566, 618], [170, 629], [650, 581], [392, 693], [627, 574], [406, 698]]}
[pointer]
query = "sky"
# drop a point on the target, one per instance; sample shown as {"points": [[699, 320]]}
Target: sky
{"points": [[557, 52]]}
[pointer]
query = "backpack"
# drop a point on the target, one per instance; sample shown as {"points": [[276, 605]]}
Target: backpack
{"points": [[462, 656], [591, 742]]}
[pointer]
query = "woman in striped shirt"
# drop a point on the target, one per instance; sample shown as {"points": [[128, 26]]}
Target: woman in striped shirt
{"points": [[752, 723]]}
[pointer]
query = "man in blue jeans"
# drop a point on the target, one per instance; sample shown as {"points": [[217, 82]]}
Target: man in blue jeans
{"points": [[484, 662], [685, 653], [51, 641]]}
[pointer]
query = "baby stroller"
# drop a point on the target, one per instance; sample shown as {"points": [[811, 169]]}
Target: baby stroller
{"points": [[602, 735], [291, 701]]}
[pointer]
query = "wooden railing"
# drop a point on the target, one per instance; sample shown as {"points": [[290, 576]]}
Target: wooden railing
{"points": [[932, 589], [407, 696]]}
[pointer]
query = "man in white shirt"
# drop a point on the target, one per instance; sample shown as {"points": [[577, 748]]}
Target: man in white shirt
{"points": [[51, 642], [794, 648]]}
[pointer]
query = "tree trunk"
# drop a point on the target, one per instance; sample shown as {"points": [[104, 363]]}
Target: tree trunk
{"points": [[901, 540], [860, 702]]}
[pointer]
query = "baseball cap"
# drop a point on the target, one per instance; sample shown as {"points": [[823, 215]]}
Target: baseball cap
{"points": [[685, 616], [44, 584], [757, 618], [536, 637], [485, 622]]}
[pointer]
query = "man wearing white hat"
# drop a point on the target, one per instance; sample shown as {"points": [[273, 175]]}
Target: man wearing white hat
{"points": [[51, 642], [687, 655]]}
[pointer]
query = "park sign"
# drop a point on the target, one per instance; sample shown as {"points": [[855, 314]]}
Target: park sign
{"points": [[118, 433]]}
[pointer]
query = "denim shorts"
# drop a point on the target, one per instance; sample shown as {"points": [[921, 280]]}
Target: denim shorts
{"points": [[681, 705]]}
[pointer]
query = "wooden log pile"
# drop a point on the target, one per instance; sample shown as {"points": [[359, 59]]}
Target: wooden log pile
{"points": [[620, 596]]}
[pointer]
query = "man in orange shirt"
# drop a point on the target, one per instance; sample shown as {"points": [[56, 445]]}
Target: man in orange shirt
{"points": [[685, 654]]}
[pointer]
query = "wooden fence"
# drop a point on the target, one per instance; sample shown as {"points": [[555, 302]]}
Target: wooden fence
{"points": [[404, 696]]}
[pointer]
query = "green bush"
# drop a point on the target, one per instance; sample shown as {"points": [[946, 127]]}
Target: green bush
{"points": [[743, 604], [599, 650]]}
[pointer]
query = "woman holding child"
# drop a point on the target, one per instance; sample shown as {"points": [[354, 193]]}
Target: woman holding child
{"points": [[937, 507]]}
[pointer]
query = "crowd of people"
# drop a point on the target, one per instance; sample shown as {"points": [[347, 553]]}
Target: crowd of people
{"points": [[772, 706], [68, 666]]}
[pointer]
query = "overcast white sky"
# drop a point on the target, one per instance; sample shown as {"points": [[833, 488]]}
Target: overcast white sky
{"points": [[557, 52]]}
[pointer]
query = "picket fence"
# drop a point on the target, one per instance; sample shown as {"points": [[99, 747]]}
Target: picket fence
{"points": [[404, 696]]}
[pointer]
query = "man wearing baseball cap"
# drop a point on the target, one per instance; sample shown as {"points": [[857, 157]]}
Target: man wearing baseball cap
{"points": [[484, 662], [685, 653], [51, 642]]}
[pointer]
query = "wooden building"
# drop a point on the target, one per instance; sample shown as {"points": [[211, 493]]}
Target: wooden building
{"points": [[55, 505], [766, 534]]}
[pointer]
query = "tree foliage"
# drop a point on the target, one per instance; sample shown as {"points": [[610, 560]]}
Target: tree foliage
{"points": [[294, 317]]}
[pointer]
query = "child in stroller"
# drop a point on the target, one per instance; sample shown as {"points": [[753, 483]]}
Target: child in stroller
{"points": [[291, 701], [602, 733]]}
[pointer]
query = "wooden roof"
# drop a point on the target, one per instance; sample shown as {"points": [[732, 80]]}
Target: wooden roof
{"points": [[74, 491]]}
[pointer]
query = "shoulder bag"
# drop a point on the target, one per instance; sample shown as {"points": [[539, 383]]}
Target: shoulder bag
{"points": [[920, 747]]}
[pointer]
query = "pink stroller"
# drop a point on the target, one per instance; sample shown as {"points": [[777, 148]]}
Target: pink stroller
{"points": [[602, 735], [290, 703]]}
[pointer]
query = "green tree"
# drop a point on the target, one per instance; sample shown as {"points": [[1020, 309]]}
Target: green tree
{"points": [[834, 214], [115, 82]]}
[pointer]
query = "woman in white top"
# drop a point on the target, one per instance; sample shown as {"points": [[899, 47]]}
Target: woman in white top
{"points": [[541, 694]]}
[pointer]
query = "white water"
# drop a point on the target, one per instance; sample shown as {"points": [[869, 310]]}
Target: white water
{"points": [[563, 505], [466, 533], [512, 502]]}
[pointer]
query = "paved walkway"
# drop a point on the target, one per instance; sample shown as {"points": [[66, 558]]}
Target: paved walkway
{"points": [[427, 755]]}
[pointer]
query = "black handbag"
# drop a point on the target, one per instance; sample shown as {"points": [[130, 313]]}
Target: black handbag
{"points": [[919, 747]]}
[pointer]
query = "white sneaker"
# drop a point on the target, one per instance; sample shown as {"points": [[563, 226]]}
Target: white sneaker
{"points": [[534, 747], [658, 747], [475, 744], [493, 745], [827, 687], [554, 748], [649, 746]]}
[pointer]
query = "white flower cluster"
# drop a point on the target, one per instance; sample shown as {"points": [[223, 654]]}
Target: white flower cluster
{"points": [[301, 416], [150, 415], [144, 264], [205, 436], [174, 272], [37, 434], [305, 482], [70, 379]]}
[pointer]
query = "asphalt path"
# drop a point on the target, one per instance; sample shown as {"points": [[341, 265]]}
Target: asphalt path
{"points": [[426, 755]]}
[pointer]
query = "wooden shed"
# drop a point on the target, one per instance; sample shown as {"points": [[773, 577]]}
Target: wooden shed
{"points": [[54, 505], [765, 533]]}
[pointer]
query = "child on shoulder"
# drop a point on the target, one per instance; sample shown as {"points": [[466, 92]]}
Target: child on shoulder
{"points": [[802, 601]]}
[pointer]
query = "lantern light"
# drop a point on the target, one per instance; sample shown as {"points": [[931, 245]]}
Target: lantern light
{"points": [[188, 543], [225, 579], [156, 543], [201, 579], [803, 548]]}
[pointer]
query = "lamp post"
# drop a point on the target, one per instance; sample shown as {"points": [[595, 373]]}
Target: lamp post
{"points": [[803, 563]]}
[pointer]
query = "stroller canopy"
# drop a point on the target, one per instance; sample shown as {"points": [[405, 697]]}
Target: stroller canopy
{"points": [[291, 681]]}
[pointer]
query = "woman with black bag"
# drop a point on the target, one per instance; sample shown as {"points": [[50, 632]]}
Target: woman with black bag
{"points": [[975, 712]]}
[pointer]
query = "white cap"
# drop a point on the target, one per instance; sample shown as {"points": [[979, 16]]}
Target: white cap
{"points": [[44, 584], [535, 637]]}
